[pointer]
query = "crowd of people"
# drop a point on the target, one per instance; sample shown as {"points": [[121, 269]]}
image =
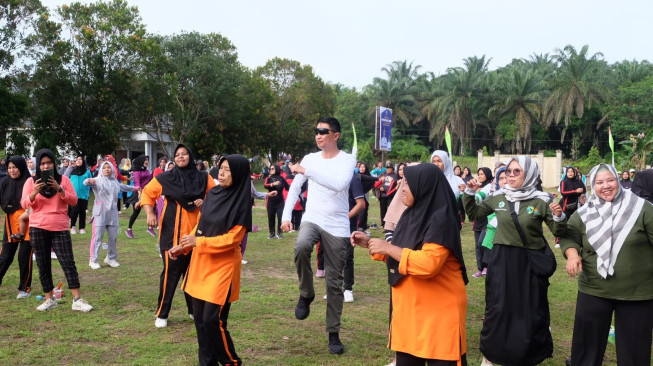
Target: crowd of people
{"points": [[203, 218]]}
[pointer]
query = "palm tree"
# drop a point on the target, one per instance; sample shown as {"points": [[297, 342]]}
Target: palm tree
{"points": [[462, 87], [397, 91], [519, 93], [575, 87]]}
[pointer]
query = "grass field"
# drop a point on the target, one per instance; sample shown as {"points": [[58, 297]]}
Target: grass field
{"points": [[120, 330]]}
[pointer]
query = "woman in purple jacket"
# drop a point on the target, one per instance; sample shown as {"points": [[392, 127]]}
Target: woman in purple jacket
{"points": [[142, 177]]}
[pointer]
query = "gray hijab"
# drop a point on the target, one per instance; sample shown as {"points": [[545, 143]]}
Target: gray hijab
{"points": [[107, 188]]}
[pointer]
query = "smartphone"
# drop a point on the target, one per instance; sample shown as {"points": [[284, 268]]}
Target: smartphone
{"points": [[45, 175]]}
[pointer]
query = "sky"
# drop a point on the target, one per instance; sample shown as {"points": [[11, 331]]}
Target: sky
{"points": [[349, 42]]}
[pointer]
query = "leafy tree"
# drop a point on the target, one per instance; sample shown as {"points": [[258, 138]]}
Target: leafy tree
{"points": [[397, 91], [84, 95], [300, 98]]}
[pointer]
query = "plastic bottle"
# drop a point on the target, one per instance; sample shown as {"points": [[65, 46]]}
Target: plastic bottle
{"points": [[611, 335], [39, 297]]}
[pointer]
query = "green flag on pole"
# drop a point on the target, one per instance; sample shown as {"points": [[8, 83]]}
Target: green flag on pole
{"points": [[447, 139], [611, 143], [354, 150]]}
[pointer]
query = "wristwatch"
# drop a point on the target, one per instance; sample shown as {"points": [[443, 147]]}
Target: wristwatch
{"points": [[60, 190]]}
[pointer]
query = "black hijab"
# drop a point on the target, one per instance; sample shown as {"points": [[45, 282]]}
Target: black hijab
{"points": [[11, 190], [47, 191], [572, 184], [488, 176], [138, 163], [183, 185], [225, 208], [433, 218], [79, 170], [643, 184]]}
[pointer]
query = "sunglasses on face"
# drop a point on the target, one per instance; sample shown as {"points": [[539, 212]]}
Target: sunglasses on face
{"points": [[513, 172], [323, 131]]}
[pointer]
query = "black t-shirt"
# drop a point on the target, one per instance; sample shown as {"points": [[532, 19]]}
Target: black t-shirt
{"points": [[355, 191]]}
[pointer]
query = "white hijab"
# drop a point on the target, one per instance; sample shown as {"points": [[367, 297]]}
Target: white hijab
{"points": [[454, 180], [107, 188], [607, 224]]}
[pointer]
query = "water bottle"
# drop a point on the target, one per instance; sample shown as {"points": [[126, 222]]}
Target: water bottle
{"points": [[39, 297], [611, 335]]}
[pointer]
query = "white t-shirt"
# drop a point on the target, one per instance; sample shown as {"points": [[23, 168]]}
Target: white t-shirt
{"points": [[327, 203]]}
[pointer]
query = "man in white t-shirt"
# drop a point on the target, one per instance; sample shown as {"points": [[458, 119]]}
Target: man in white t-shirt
{"points": [[326, 220]]}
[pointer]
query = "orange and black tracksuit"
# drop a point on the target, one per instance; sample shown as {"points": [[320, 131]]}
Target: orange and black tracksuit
{"points": [[8, 251], [213, 281], [174, 223]]}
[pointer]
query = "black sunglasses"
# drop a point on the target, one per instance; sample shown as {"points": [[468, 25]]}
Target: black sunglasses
{"points": [[323, 131]]}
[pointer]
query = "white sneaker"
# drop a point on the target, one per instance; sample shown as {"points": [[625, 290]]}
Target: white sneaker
{"points": [[73, 231], [53, 255], [349, 296], [94, 265], [557, 246], [191, 316], [325, 297], [243, 262], [82, 231], [81, 305], [48, 304], [111, 262], [161, 323], [33, 256], [23, 295], [486, 362]]}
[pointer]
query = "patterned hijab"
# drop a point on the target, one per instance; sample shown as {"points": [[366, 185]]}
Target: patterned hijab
{"points": [[528, 190], [454, 180], [607, 224]]}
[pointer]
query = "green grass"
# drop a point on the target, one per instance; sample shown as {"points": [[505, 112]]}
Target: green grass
{"points": [[120, 330]]}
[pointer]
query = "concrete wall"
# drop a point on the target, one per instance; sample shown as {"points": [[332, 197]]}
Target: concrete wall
{"points": [[550, 167]]}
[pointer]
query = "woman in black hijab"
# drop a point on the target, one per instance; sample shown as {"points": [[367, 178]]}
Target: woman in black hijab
{"points": [[275, 204], [571, 188], [426, 272], [213, 278], [184, 188], [480, 224], [11, 190], [643, 185]]}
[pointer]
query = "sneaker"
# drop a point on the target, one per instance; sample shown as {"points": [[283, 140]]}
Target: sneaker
{"points": [[23, 295], [325, 297], [94, 265], [557, 246], [151, 231], [111, 262], [129, 233], [161, 323], [34, 257], [484, 272], [53, 255], [48, 304], [81, 305], [477, 274], [486, 362], [243, 262], [82, 231], [191, 316], [271, 236], [73, 231], [279, 236], [349, 296], [335, 346], [303, 308], [319, 273]]}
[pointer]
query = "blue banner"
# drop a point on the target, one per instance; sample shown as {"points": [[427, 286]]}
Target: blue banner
{"points": [[386, 129]]}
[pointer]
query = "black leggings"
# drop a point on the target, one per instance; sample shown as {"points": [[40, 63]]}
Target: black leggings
{"points": [[406, 359], [134, 216], [272, 212], [79, 210]]}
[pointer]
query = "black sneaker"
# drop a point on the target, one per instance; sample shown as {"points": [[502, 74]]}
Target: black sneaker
{"points": [[279, 236], [335, 346], [271, 236], [303, 307]]}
